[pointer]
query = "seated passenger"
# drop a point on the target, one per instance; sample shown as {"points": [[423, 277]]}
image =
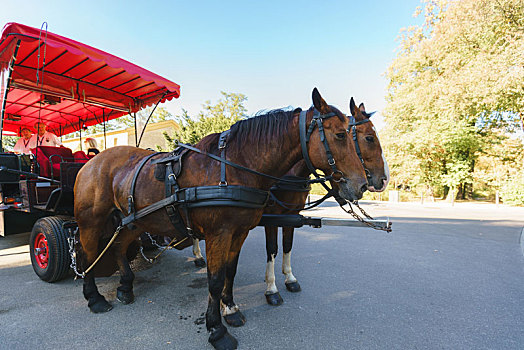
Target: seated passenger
{"points": [[23, 144], [43, 137], [91, 146]]}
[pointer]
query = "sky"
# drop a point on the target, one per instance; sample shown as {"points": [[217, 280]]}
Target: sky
{"points": [[274, 52]]}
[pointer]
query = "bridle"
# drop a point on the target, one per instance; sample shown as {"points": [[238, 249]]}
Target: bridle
{"points": [[353, 126], [305, 136]]}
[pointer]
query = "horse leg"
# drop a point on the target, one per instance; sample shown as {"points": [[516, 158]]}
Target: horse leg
{"points": [[230, 310], [292, 284], [272, 295], [124, 292], [217, 248], [199, 259], [95, 301]]}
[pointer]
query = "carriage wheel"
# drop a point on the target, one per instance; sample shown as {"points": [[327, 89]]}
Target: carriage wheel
{"points": [[49, 249]]}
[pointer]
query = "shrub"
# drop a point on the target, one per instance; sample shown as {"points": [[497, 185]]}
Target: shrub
{"points": [[512, 191]]}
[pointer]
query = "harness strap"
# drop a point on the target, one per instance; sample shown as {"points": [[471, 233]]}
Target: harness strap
{"points": [[222, 141], [238, 166], [131, 198], [205, 196], [303, 141], [353, 126]]}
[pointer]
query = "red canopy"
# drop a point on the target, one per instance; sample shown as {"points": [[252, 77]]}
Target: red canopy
{"points": [[78, 85]]}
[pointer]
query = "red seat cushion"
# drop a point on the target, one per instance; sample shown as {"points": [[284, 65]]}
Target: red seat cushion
{"points": [[81, 157], [49, 159]]}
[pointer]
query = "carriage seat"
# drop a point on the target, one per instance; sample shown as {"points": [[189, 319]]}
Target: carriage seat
{"points": [[49, 159]]}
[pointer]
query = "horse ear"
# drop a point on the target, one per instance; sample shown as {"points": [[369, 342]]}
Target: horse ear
{"points": [[319, 102], [353, 107], [362, 108]]}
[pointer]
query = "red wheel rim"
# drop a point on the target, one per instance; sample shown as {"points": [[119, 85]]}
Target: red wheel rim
{"points": [[41, 250]]}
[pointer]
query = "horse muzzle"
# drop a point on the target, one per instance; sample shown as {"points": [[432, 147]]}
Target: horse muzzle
{"points": [[381, 189], [349, 192]]}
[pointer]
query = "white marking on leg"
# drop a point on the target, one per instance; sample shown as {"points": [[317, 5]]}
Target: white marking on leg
{"points": [[226, 310], [196, 249], [271, 287], [286, 268]]}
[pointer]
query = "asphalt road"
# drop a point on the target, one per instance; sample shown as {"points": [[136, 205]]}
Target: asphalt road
{"points": [[446, 278]]}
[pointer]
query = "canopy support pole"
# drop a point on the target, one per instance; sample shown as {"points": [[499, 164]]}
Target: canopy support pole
{"points": [[80, 130], [147, 121], [104, 123], [134, 120], [4, 97]]}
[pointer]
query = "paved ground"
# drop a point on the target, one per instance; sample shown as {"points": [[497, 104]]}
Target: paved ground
{"points": [[446, 278]]}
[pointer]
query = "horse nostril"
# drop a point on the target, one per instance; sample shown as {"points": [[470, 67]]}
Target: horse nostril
{"points": [[364, 188]]}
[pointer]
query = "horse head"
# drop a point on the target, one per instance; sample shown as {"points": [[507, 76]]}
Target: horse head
{"points": [[332, 150], [365, 137]]}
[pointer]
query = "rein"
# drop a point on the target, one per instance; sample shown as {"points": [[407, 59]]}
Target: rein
{"points": [[241, 167]]}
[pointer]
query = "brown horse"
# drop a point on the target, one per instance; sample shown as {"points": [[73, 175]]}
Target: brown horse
{"points": [[294, 201], [268, 143]]}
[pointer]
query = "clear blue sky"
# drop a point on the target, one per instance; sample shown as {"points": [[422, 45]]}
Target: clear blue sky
{"points": [[274, 52]]}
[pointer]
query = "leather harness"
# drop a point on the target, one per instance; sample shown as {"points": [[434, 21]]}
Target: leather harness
{"points": [[169, 168]]}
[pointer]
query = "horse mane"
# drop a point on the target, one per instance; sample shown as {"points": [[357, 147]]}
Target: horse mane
{"points": [[263, 127]]}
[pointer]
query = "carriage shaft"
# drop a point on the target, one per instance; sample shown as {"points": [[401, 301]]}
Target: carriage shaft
{"points": [[300, 220]]}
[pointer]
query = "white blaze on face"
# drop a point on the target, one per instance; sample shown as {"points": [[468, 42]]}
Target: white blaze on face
{"points": [[196, 249], [271, 287], [286, 268], [386, 167]]}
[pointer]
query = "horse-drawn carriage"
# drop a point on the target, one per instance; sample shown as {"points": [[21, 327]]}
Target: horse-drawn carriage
{"points": [[68, 86], [87, 214]]}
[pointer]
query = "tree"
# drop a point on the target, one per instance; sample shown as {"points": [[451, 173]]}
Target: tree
{"points": [[212, 119], [454, 87]]}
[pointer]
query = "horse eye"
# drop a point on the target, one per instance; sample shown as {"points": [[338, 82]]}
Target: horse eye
{"points": [[341, 136], [370, 139]]}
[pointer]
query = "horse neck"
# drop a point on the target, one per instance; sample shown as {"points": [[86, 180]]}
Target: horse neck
{"points": [[274, 157], [300, 169]]}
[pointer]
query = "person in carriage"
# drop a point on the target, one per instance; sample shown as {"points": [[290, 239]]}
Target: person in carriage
{"points": [[22, 145], [91, 146], [43, 137]]}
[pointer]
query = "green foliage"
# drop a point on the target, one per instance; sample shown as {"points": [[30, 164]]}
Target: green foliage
{"points": [[454, 93], [212, 119], [512, 192], [9, 142]]}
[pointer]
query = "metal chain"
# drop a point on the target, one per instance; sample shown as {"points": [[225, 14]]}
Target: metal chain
{"points": [[72, 253], [164, 248], [367, 223], [153, 241], [362, 211]]}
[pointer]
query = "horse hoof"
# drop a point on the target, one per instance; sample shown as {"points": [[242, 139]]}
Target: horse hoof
{"points": [[235, 320], [293, 287], [200, 262], [227, 342], [274, 299], [100, 306], [125, 297]]}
